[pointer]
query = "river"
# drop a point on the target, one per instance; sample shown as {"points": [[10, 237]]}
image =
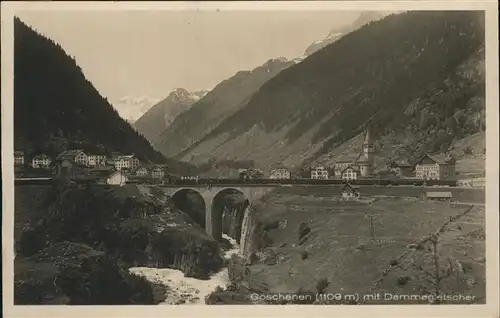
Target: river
{"points": [[187, 290]]}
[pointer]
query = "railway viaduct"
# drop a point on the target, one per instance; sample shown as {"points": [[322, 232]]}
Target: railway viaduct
{"points": [[213, 217]]}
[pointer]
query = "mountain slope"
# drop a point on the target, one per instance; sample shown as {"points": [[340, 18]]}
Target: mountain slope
{"points": [[224, 100], [364, 18], [56, 107], [161, 115], [417, 76]]}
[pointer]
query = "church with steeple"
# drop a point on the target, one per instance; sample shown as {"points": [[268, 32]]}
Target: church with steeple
{"points": [[360, 165]]}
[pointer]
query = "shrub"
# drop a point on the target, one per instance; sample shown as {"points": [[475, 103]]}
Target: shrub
{"points": [[321, 285], [304, 255], [467, 151], [271, 225], [393, 262], [32, 240], [402, 280], [304, 229]]}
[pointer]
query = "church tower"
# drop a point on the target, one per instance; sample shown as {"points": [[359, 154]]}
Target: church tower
{"points": [[366, 163]]}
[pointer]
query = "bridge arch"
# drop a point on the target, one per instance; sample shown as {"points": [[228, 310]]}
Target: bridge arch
{"points": [[211, 195], [227, 212], [191, 202]]}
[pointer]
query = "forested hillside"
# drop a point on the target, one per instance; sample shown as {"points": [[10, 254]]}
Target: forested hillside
{"points": [[417, 76], [56, 107]]}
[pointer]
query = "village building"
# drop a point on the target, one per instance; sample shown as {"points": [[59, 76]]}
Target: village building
{"points": [[342, 163], [319, 172], [116, 178], [279, 173], [95, 160], [142, 171], [350, 173], [350, 193], [18, 158], [435, 167], [76, 156], [401, 168], [41, 161], [128, 162], [440, 196], [363, 162], [158, 173]]}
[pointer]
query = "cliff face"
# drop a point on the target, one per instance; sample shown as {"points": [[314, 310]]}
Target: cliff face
{"points": [[185, 247]]}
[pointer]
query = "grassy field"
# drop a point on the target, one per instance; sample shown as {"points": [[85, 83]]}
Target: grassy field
{"points": [[326, 192], [341, 247]]}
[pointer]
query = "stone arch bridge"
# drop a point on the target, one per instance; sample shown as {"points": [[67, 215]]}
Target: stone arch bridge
{"points": [[213, 218]]}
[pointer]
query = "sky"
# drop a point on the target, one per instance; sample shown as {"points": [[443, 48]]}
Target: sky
{"points": [[136, 58]]}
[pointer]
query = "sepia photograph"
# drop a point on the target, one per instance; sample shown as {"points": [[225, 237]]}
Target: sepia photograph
{"points": [[254, 154]]}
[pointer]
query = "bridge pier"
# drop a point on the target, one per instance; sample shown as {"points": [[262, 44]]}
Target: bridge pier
{"points": [[213, 224]]}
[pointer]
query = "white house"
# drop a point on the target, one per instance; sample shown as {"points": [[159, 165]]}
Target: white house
{"points": [[129, 162], [41, 161], [158, 173], [76, 156], [319, 172], [117, 178], [279, 173], [350, 173], [95, 160], [18, 158], [350, 193], [142, 171], [435, 167]]}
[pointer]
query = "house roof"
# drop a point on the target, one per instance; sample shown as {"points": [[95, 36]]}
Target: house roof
{"points": [[346, 158], [69, 154], [318, 165], [350, 167], [401, 163], [41, 156], [125, 157], [112, 173], [441, 159], [278, 168], [347, 186]]}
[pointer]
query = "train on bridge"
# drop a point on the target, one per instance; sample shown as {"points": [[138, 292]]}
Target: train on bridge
{"points": [[249, 182], [361, 182]]}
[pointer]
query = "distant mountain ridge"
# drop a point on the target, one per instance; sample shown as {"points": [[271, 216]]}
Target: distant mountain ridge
{"points": [[418, 76], [335, 34], [56, 107], [162, 114], [223, 101], [132, 108]]}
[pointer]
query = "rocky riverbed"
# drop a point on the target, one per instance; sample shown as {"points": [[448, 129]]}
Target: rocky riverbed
{"points": [[187, 290]]}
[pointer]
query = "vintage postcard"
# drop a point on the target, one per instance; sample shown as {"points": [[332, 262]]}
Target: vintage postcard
{"points": [[291, 159]]}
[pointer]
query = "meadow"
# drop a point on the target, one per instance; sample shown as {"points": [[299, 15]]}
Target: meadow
{"points": [[360, 248]]}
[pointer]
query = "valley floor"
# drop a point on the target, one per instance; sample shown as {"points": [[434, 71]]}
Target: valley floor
{"points": [[340, 246]]}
